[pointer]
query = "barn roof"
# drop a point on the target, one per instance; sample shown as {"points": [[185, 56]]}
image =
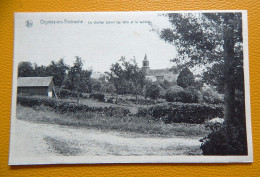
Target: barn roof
{"points": [[34, 81]]}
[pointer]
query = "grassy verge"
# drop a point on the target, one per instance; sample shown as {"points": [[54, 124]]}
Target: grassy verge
{"points": [[134, 124]]}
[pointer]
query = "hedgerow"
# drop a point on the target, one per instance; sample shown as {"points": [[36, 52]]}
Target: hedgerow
{"points": [[98, 96], [181, 96], [64, 93], [67, 107], [182, 112]]}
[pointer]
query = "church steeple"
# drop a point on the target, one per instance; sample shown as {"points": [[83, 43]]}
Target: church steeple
{"points": [[146, 67], [145, 58]]}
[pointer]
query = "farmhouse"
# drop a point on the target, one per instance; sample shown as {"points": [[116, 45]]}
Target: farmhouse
{"points": [[43, 86], [159, 74]]}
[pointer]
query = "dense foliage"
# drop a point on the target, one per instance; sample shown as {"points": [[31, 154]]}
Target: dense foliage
{"points": [[127, 77], [56, 69], [97, 96], [64, 93], [229, 140], [67, 107], [183, 96], [181, 112], [78, 79], [153, 90], [185, 78]]}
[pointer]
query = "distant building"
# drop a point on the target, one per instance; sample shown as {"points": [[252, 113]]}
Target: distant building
{"points": [[146, 67], [99, 76], [43, 86], [159, 74]]}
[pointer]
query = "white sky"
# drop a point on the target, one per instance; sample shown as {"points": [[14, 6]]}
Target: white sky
{"points": [[99, 45]]}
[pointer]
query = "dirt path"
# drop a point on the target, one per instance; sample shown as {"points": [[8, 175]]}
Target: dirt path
{"points": [[32, 139]]}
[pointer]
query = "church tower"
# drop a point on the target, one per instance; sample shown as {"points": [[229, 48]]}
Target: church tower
{"points": [[146, 67]]}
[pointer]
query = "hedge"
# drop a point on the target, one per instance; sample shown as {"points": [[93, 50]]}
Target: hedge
{"points": [[181, 96], [67, 107], [182, 112], [64, 93], [97, 96], [169, 113]]}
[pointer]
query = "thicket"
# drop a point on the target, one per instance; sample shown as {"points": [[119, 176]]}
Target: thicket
{"points": [[64, 93], [212, 97], [185, 78], [98, 96], [66, 107], [229, 140], [181, 96], [182, 112]]}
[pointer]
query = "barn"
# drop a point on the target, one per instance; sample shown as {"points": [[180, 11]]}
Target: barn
{"points": [[42, 86]]}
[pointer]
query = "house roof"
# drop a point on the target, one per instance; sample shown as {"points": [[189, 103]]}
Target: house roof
{"points": [[97, 75], [158, 72], [34, 81]]}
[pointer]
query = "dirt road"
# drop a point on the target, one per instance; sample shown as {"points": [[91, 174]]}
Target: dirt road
{"points": [[32, 139]]}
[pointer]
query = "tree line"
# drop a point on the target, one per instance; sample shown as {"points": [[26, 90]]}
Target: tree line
{"points": [[124, 77]]}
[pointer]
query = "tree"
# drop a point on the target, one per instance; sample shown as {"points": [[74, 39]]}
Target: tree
{"points": [[96, 85], [58, 71], [213, 40], [185, 78], [40, 71], [153, 90], [126, 76], [25, 69], [135, 77], [78, 79], [116, 77], [110, 88]]}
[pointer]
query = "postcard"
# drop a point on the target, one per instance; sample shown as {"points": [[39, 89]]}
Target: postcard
{"points": [[131, 87]]}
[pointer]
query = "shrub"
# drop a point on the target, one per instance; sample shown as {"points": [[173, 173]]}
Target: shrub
{"points": [[85, 96], [185, 78], [211, 96], [97, 96], [116, 111], [143, 112], [111, 100], [193, 92], [64, 93], [180, 112], [28, 101], [153, 91], [214, 124], [229, 140], [181, 96]]}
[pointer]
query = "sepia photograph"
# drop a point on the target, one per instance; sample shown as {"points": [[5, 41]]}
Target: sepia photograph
{"points": [[130, 87]]}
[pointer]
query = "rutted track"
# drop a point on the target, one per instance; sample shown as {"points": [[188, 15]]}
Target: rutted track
{"points": [[33, 139]]}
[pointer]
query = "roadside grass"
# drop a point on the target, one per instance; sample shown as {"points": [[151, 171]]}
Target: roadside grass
{"points": [[134, 124]]}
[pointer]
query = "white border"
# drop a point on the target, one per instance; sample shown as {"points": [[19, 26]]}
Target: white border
{"points": [[136, 159]]}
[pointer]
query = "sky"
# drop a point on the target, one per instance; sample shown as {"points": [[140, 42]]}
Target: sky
{"points": [[99, 45]]}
